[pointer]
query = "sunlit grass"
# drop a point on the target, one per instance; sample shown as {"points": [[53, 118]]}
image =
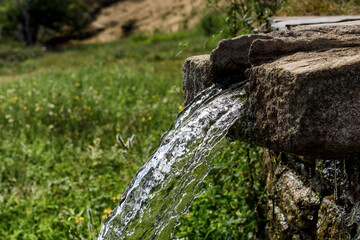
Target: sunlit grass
{"points": [[58, 122], [62, 170]]}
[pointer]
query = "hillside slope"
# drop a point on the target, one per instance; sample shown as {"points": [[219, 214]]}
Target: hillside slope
{"points": [[147, 15]]}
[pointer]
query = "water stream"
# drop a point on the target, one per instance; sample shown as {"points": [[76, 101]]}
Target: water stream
{"points": [[164, 188]]}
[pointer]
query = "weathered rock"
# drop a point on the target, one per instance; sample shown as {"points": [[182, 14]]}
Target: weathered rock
{"points": [[292, 204], [229, 61], [305, 103], [331, 221], [231, 56], [312, 199], [267, 50], [303, 93], [283, 23], [197, 75], [297, 201], [301, 31]]}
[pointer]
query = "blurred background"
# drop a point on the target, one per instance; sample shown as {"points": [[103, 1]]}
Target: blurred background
{"points": [[74, 73]]}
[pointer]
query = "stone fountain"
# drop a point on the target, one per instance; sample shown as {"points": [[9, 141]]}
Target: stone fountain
{"points": [[303, 106]]}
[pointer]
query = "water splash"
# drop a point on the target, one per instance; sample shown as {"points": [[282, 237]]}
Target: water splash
{"points": [[164, 188]]}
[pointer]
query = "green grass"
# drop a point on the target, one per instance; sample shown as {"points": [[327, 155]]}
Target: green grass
{"points": [[61, 169]]}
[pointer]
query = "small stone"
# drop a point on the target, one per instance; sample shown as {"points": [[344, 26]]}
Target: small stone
{"points": [[331, 220], [298, 202], [197, 75]]}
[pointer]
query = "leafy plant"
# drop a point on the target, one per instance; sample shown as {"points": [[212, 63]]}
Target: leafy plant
{"points": [[212, 23], [245, 16], [233, 206]]}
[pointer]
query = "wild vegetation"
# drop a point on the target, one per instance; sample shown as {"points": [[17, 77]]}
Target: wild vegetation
{"points": [[240, 17], [61, 168], [26, 18]]}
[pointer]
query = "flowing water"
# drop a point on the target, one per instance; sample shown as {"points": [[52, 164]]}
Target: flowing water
{"points": [[164, 188]]}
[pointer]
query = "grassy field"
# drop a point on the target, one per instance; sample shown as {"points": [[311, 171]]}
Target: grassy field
{"points": [[61, 169]]}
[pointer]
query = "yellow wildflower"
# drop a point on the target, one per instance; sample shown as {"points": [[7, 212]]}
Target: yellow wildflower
{"points": [[86, 107], [77, 84], [116, 198], [181, 107], [14, 99], [107, 211], [25, 108], [79, 220]]}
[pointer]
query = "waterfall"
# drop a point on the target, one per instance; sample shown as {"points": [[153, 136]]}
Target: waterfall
{"points": [[164, 188]]}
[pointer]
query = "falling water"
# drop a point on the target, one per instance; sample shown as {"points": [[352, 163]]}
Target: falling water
{"points": [[164, 188]]}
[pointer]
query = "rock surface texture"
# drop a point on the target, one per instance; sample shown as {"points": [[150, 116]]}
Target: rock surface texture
{"points": [[303, 94], [312, 199], [197, 75], [303, 103], [306, 103]]}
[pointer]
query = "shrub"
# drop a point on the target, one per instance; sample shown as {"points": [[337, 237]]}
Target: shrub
{"points": [[245, 16], [58, 15], [211, 23]]}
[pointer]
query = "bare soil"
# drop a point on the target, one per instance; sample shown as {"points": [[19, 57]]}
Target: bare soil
{"points": [[148, 15]]}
